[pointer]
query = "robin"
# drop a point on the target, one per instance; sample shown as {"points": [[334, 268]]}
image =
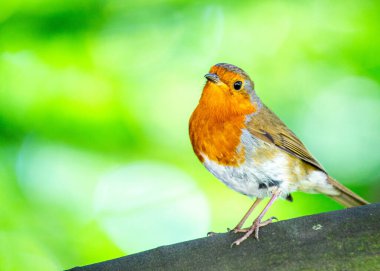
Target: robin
{"points": [[246, 146]]}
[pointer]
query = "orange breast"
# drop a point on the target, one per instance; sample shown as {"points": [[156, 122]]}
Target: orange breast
{"points": [[217, 122], [217, 139]]}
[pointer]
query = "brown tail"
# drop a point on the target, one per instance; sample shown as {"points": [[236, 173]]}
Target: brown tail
{"points": [[347, 198]]}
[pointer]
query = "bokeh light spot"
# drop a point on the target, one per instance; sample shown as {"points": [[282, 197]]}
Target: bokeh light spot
{"points": [[145, 204]]}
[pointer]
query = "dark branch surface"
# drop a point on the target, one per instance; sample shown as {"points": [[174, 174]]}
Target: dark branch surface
{"points": [[341, 240]]}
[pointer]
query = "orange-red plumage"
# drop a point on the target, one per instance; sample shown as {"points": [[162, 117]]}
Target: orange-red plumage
{"points": [[217, 122]]}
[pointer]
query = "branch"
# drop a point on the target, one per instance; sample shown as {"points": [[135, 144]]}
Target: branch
{"points": [[341, 240]]}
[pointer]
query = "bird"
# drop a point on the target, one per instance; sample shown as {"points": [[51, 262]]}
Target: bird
{"points": [[247, 147]]}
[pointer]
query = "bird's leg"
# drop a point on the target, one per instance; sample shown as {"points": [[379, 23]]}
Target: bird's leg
{"points": [[242, 221], [257, 223], [245, 217]]}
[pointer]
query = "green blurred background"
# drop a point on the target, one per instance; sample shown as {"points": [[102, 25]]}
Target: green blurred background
{"points": [[95, 97]]}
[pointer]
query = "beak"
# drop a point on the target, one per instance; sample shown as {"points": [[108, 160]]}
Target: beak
{"points": [[212, 77]]}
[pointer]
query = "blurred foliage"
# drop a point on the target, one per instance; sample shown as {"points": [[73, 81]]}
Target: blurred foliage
{"points": [[95, 96]]}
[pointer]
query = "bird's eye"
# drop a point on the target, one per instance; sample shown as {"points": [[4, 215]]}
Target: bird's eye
{"points": [[237, 85]]}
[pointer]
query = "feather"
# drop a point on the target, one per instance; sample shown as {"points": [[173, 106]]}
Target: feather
{"points": [[268, 127]]}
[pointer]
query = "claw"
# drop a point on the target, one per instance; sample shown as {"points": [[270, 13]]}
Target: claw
{"points": [[268, 221], [257, 233], [234, 244], [254, 229]]}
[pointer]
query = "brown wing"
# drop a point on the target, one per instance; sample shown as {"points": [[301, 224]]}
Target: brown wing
{"points": [[268, 127]]}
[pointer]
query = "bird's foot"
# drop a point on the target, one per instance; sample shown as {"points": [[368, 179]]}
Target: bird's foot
{"points": [[264, 223], [253, 229]]}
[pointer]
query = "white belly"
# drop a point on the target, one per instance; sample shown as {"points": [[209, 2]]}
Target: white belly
{"points": [[259, 179], [252, 180]]}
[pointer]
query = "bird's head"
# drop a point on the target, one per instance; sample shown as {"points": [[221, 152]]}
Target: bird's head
{"points": [[229, 91]]}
